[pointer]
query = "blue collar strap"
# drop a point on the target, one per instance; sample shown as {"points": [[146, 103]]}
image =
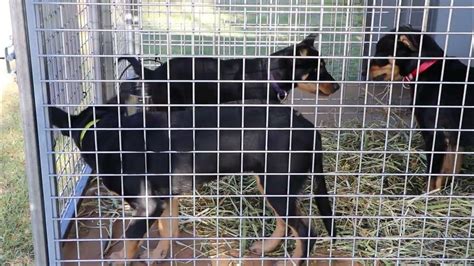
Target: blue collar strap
{"points": [[281, 93]]}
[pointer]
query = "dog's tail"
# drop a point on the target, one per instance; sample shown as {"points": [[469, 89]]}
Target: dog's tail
{"points": [[59, 119], [322, 202]]}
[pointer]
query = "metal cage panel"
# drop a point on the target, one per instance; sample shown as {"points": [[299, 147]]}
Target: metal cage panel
{"points": [[374, 158]]}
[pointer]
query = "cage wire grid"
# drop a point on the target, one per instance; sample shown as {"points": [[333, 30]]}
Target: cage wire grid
{"points": [[374, 160]]}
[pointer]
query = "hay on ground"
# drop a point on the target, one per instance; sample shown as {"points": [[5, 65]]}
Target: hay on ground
{"points": [[378, 217]]}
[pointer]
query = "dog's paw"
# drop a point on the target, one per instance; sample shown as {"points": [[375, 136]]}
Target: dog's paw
{"points": [[161, 250], [289, 262], [266, 246], [117, 258], [257, 247]]}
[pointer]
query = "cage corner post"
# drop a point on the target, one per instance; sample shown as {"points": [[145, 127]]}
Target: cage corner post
{"points": [[31, 145], [104, 66]]}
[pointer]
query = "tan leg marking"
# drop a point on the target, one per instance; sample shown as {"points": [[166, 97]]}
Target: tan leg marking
{"points": [[129, 250], [432, 184], [270, 245], [449, 167], [279, 232], [169, 228], [297, 253]]}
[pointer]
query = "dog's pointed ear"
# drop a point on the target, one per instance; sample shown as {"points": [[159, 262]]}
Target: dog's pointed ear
{"points": [[309, 40], [412, 41], [59, 119], [302, 47]]}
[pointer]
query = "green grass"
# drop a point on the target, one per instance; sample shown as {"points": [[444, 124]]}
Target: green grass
{"points": [[16, 245]]}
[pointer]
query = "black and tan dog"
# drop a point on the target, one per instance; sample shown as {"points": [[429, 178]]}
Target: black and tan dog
{"points": [[124, 153], [207, 71], [440, 135]]}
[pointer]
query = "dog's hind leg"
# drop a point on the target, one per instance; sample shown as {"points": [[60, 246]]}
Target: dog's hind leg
{"points": [[271, 244], [324, 205], [286, 209], [434, 161], [322, 199], [298, 228], [168, 225]]}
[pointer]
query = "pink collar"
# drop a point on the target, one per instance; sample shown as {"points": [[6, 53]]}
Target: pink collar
{"points": [[423, 67]]}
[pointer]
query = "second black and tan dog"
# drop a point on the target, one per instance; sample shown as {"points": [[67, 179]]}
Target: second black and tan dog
{"points": [[125, 153], [298, 63], [449, 108]]}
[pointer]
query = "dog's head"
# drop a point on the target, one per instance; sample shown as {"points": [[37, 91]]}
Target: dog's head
{"points": [[390, 59], [307, 68]]}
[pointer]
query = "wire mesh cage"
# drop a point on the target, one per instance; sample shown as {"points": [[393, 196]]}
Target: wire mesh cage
{"points": [[126, 151]]}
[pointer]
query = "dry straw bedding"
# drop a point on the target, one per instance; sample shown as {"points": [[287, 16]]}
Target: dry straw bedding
{"points": [[377, 217]]}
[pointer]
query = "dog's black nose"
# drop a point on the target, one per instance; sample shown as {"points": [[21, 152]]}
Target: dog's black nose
{"points": [[335, 87]]}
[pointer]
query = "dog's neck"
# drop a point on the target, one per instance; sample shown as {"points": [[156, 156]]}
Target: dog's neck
{"points": [[280, 93], [259, 69], [86, 128], [82, 121], [87, 119], [425, 66], [280, 89]]}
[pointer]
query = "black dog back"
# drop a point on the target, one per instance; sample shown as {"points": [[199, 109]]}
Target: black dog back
{"points": [[211, 80]]}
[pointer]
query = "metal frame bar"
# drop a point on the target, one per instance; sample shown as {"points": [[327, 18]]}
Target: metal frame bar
{"points": [[32, 150]]}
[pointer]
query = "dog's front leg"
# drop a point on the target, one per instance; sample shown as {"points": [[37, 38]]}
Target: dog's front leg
{"points": [[434, 160], [168, 226], [135, 231], [451, 164]]}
